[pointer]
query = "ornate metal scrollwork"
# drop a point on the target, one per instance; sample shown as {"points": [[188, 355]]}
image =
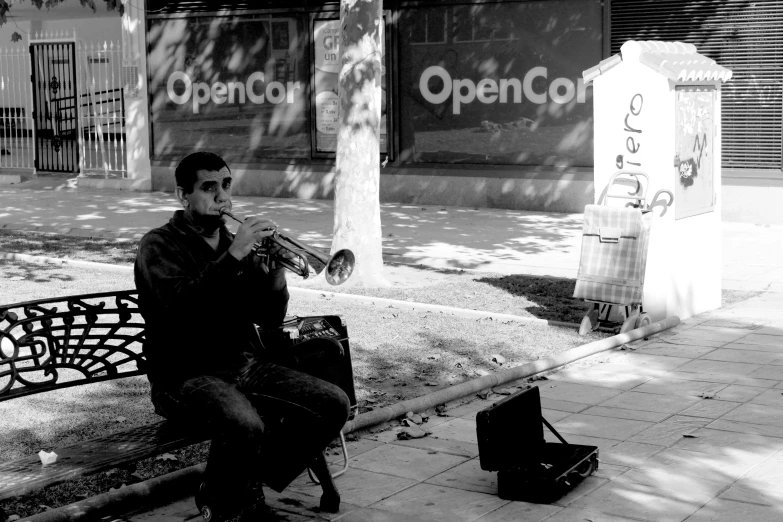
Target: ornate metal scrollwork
{"points": [[54, 85], [93, 337], [57, 143]]}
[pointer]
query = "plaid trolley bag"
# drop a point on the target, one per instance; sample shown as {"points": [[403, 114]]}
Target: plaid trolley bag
{"points": [[613, 258]]}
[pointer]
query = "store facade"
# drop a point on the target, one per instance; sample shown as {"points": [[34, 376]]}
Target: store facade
{"points": [[483, 103]]}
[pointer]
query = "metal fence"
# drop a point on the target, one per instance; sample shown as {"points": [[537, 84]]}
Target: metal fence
{"points": [[16, 122], [99, 104], [101, 108]]}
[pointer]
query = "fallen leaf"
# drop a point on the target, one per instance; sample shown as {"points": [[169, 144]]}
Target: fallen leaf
{"points": [[431, 383], [434, 356], [538, 378], [120, 419], [689, 436], [505, 391], [499, 359], [166, 456], [483, 394], [412, 433]]}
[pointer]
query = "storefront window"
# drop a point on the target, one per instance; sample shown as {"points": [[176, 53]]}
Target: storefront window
{"points": [[235, 85], [498, 83], [326, 42]]}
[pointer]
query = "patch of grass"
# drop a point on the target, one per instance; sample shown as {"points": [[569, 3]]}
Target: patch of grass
{"points": [[97, 249]]}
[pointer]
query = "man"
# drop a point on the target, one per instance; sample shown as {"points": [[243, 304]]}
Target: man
{"points": [[202, 290]]}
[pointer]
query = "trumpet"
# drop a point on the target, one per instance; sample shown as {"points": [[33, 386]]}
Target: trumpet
{"points": [[338, 266]]}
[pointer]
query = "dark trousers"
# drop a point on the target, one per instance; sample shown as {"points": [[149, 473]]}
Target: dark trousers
{"points": [[268, 424]]}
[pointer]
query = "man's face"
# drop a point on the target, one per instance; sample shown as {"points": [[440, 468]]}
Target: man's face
{"points": [[211, 192]]}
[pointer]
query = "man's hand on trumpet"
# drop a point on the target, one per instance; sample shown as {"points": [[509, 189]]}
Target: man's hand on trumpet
{"points": [[251, 231]]}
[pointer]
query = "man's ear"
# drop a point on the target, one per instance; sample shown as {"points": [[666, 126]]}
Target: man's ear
{"points": [[181, 196]]}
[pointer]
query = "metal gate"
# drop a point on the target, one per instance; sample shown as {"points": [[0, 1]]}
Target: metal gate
{"points": [[54, 106]]}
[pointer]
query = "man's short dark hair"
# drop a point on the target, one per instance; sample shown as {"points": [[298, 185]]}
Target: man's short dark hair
{"points": [[187, 170]]}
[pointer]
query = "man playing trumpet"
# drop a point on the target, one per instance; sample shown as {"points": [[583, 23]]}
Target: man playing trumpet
{"points": [[201, 292]]}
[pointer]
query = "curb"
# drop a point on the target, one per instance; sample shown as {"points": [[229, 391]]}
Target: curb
{"points": [[306, 292], [154, 492]]}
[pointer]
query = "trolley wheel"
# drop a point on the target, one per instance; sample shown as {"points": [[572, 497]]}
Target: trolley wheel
{"points": [[629, 324], [589, 322], [643, 320]]}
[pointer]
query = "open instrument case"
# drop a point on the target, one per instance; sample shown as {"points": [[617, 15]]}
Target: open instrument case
{"points": [[511, 442]]}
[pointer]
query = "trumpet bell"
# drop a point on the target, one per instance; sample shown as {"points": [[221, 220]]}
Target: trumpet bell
{"points": [[339, 267]]}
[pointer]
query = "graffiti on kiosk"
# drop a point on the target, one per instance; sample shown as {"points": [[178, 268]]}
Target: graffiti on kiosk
{"points": [[465, 90], [632, 144], [230, 92]]}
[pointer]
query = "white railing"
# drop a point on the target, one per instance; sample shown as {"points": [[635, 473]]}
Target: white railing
{"points": [[16, 109], [99, 104], [101, 109]]}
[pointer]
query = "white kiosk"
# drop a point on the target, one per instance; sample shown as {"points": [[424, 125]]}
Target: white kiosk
{"points": [[657, 110]]}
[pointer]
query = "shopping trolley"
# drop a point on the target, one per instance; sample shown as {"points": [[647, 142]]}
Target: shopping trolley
{"points": [[614, 255]]}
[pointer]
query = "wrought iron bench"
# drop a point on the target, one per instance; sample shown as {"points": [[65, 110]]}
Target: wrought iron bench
{"points": [[51, 344]]}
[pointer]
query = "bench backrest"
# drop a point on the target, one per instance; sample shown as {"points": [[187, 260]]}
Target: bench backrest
{"points": [[66, 341]]}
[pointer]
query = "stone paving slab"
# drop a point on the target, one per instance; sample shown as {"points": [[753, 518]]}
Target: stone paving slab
{"points": [[679, 387], [449, 447], [725, 510], [745, 427], [441, 503], [751, 346], [753, 495], [631, 454], [669, 431], [517, 511], [743, 356], [633, 400], [359, 487], [601, 427], [406, 462], [676, 350], [579, 393], [468, 476], [622, 413], [710, 409], [607, 377], [762, 339], [756, 414]]}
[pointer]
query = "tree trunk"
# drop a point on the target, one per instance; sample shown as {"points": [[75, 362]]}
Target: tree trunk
{"points": [[357, 213]]}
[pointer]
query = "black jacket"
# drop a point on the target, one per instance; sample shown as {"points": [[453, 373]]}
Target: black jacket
{"points": [[200, 305]]}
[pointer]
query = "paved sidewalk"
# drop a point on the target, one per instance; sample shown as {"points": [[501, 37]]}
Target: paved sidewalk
{"points": [[689, 426], [689, 423], [504, 241]]}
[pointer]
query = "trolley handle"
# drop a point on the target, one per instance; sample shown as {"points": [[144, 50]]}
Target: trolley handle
{"points": [[656, 202], [638, 195]]}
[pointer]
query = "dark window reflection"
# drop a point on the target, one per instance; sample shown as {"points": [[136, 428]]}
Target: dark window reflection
{"points": [[235, 85], [500, 83]]}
